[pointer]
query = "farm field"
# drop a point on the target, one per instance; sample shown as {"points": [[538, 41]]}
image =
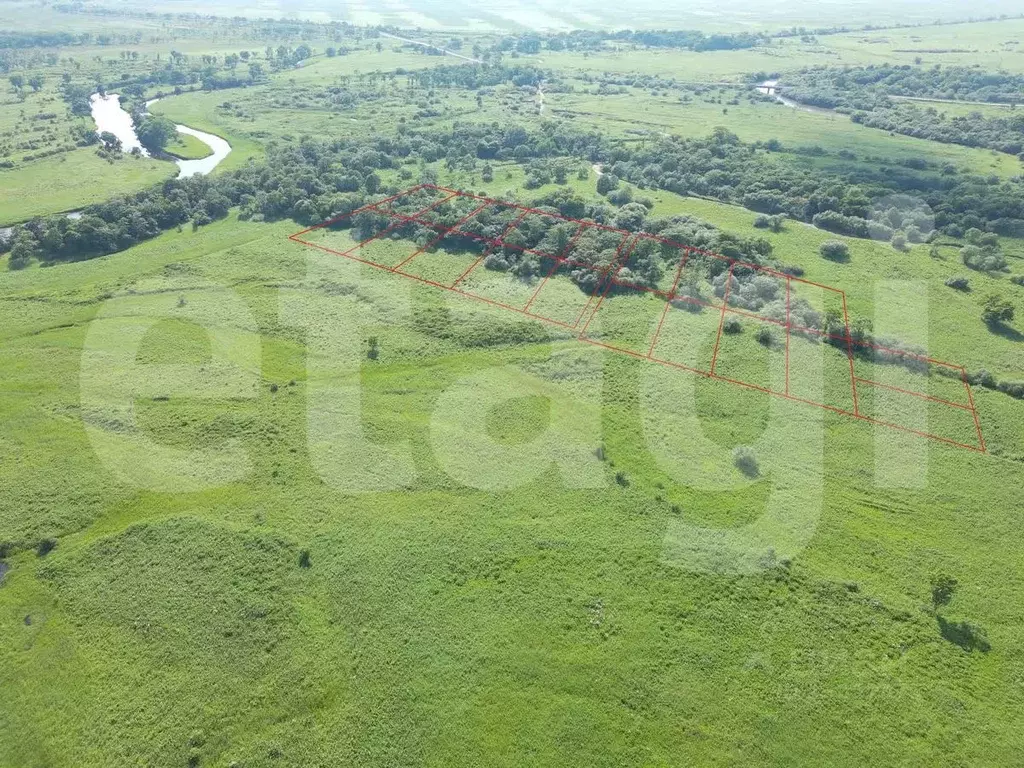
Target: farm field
{"points": [[673, 426]]}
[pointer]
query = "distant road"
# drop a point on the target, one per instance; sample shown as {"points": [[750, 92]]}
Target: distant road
{"points": [[429, 45]]}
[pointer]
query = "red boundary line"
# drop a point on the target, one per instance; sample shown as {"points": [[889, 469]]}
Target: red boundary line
{"points": [[619, 262], [970, 397], [912, 392], [721, 321], [789, 328]]}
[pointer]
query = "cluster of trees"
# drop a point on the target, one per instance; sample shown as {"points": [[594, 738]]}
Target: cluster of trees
{"points": [[982, 252], [867, 94]]}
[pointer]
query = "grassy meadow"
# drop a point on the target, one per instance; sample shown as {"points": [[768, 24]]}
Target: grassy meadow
{"points": [[453, 619], [265, 506]]}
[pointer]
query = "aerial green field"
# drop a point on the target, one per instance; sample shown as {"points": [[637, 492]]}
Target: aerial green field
{"points": [[265, 505], [560, 596]]}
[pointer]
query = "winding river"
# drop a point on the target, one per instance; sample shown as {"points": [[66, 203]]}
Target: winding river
{"points": [[110, 116]]}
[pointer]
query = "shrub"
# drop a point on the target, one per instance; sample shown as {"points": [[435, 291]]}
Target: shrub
{"points": [[996, 310], [45, 547], [1017, 280], [745, 459], [732, 325], [959, 283], [762, 222], [765, 336], [943, 587], [899, 241], [304, 560], [835, 250], [982, 258]]}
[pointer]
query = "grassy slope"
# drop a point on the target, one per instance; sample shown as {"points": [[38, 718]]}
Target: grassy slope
{"points": [[72, 180], [444, 624]]}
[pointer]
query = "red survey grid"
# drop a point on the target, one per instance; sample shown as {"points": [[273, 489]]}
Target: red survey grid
{"points": [[699, 296]]}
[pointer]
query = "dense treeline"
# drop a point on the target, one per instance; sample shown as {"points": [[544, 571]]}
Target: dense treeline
{"points": [[1003, 134], [12, 38], [867, 87], [870, 94], [726, 169], [474, 77], [589, 40], [304, 182]]}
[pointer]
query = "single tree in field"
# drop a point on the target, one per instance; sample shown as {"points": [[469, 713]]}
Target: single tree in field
{"points": [[17, 81], [943, 589], [35, 83]]}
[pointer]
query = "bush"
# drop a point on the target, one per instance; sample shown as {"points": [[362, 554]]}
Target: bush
{"points": [[959, 283], [45, 547], [762, 221], [732, 325], [304, 559], [765, 336], [997, 310], [899, 241], [982, 258], [943, 588], [835, 250], [745, 459]]}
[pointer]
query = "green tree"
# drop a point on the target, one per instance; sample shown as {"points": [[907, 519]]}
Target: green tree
{"points": [[155, 133], [17, 81], [36, 82], [110, 141], [23, 250], [606, 182]]}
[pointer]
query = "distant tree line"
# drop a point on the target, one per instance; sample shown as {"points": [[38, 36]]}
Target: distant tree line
{"points": [[870, 94], [719, 166], [867, 87], [589, 40]]}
